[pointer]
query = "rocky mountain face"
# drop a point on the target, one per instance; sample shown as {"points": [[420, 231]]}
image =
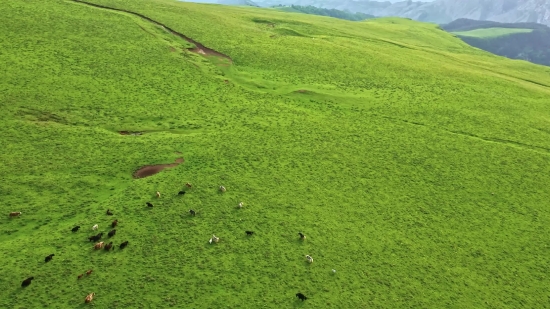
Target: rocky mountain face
{"points": [[439, 11]]}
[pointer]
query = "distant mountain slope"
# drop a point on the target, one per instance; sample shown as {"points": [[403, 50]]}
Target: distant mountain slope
{"points": [[228, 2], [532, 46], [464, 24], [325, 12], [440, 11]]}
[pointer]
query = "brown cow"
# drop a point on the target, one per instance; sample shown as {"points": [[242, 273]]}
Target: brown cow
{"points": [[89, 298], [80, 276], [99, 245], [15, 214], [114, 223], [88, 272], [109, 246], [188, 185]]}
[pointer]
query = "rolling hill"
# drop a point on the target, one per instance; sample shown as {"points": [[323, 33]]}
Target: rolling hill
{"points": [[416, 165]]}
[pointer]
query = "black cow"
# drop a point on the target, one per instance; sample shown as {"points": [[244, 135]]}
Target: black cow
{"points": [[123, 245], [149, 204], [49, 258], [192, 212], [249, 233], [114, 223], [74, 229], [181, 193], [109, 213], [302, 236], [301, 296], [109, 246], [112, 233], [96, 237], [27, 282]]}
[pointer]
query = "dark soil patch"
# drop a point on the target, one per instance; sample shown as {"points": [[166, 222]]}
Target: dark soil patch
{"points": [[199, 48], [150, 170], [129, 133]]}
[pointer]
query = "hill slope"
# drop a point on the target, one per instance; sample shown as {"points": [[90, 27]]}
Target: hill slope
{"points": [[416, 165]]}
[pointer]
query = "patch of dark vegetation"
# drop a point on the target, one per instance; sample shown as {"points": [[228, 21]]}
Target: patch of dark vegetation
{"points": [[40, 116], [199, 48], [150, 170], [289, 32]]}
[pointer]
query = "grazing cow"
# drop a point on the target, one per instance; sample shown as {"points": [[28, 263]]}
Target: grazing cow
{"points": [[80, 276], [109, 246], [222, 188], [89, 298], [214, 239], [301, 296], [15, 214], [123, 245], [181, 193], [88, 272], [241, 205], [26, 282], [188, 185], [49, 258], [111, 233], [309, 258], [74, 229], [249, 233], [96, 237], [99, 245], [94, 228], [109, 213], [149, 204], [192, 212], [114, 223], [302, 236], [158, 194]]}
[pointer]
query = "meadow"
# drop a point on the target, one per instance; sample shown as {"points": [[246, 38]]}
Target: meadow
{"points": [[417, 166], [491, 32]]}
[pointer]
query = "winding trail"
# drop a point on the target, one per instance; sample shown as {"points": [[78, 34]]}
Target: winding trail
{"points": [[199, 48]]}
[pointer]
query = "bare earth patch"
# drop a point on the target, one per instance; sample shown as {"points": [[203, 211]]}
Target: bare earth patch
{"points": [[150, 170]]}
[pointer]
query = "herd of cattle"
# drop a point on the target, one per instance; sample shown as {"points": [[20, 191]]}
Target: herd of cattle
{"points": [[101, 245]]}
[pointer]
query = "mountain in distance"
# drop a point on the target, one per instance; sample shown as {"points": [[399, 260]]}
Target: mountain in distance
{"points": [[228, 2], [324, 12], [526, 41], [439, 11]]}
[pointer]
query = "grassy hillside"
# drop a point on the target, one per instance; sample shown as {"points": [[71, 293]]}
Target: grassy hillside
{"points": [[491, 32], [417, 166]]}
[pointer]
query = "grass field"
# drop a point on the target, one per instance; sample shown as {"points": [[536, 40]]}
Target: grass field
{"points": [[417, 166], [491, 32]]}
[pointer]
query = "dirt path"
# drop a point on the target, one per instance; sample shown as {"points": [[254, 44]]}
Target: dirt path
{"points": [[199, 48], [150, 170]]}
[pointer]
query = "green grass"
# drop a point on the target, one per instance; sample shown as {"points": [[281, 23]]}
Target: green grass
{"points": [[491, 32], [418, 167]]}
